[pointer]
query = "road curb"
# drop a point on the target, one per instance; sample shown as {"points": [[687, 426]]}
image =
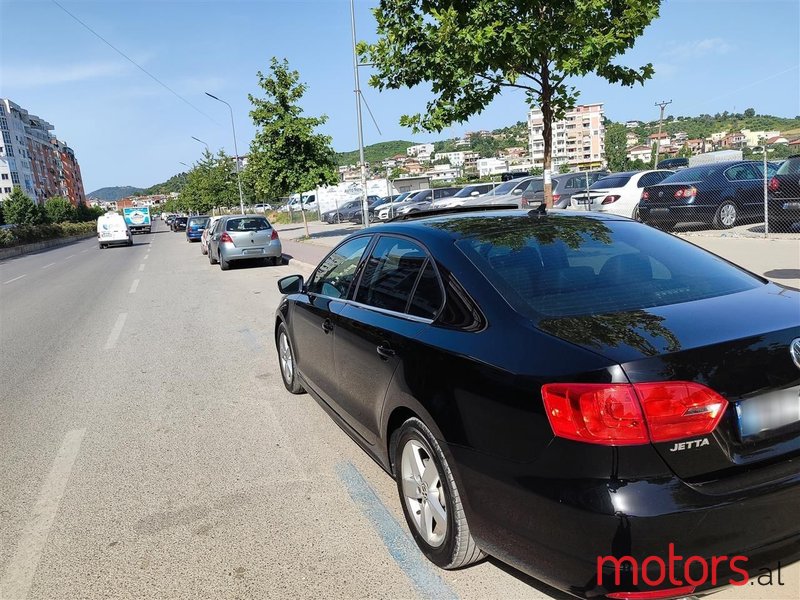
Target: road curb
{"points": [[293, 262], [44, 245]]}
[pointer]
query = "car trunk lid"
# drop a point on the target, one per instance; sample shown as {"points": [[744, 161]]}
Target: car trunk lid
{"points": [[757, 373]]}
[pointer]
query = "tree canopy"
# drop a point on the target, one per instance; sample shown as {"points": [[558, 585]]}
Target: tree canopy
{"points": [[287, 156], [468, 51]]}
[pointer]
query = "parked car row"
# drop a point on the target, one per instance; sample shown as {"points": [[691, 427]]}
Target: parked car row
{"points": [[235, 238]]}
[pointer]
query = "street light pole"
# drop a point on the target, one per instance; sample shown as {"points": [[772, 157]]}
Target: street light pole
{"points": [[235, 149], [663, 104], [364, 205], [202, 142]]}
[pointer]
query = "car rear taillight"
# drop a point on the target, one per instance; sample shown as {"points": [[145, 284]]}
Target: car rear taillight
{"points": [[774, 184], [609, 199], [624, 414], [645, 195], [274, 235], [685, 193], [225, 238]]}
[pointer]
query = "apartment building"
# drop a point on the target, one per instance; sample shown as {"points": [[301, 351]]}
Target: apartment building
{"points": [[578, 140], [421, 151], [32, 159]]}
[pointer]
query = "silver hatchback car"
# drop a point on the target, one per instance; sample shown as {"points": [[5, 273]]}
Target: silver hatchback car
{"points": [[243, 237]]}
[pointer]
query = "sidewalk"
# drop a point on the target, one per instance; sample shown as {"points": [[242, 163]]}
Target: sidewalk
{"points": [[775, 259]]}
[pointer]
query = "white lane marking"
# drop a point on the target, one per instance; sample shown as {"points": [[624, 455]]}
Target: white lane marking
{"points": [[134, 285], [50, 265], [15, 278], [82, 251], [16, 583], [116, 331], [68, 257], [145, 257], [141, 267]]}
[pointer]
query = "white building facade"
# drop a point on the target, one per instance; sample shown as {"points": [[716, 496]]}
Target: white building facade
{"points": [[15, 161], [420, 151], [578, 140]]}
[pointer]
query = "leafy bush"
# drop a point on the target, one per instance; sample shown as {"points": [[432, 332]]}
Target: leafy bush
{"points": [[59, 210], [19, 209], [28, 234]]}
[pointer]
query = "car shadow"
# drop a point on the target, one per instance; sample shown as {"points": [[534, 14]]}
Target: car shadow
{"points": [[541, 586]]}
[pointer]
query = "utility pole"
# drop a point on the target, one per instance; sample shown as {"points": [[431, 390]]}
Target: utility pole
{"points": [[364, 205], [663, 104]]}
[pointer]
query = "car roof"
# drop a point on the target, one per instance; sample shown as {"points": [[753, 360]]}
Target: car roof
{"points": [[430, 226]]}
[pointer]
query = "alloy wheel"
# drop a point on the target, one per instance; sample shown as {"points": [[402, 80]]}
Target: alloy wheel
{"points": [[424, 494], [285, 352], [727, 215]]}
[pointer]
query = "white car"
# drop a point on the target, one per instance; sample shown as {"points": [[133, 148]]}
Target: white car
{"points": [[206, 233], [112, 230], [618, 193], [262, 208]]}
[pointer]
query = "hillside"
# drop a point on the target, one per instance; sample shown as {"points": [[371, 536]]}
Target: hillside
{"points": [[374, 152], [108, 194], [704, 125], [173, 184]]}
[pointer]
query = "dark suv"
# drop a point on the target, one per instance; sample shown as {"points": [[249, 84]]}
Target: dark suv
{"points": [[784, 196]]}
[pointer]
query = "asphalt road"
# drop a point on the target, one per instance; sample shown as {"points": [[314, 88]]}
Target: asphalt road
{"points": [[149, 449]]}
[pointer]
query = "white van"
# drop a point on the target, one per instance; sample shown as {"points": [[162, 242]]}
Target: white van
{"points": [[112, 229]]}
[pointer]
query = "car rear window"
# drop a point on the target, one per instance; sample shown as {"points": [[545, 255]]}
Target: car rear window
{"points": [[576, 266], [613, 181], [247, 224], [694, 174], [199, 222], [790, 167]]}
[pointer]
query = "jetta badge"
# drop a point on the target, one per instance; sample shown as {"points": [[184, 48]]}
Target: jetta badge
{"points": [[660, 194], [794, 350]]}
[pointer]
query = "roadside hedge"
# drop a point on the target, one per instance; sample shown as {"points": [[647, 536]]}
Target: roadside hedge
{"points": [[28, 234]]}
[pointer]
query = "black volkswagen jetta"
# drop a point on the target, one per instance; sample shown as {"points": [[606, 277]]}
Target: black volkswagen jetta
{"points": [[595, 402]]}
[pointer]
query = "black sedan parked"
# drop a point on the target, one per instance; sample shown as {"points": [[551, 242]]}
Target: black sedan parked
{"points": [[721, 194], [179, 224], [561, 391], [343, 214]]}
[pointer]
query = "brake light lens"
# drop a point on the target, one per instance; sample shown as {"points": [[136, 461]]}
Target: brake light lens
{"points": [[274, 235], [225, 238], [609, 199], [774, 184], [625, 414]]}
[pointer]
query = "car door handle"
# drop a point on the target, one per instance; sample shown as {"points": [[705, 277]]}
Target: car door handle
{"points": [[327, 326], [385, 352]]}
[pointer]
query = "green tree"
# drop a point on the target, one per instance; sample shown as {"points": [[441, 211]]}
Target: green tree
{"points": [[468, 51], [21, 210], [211, 182], [685, 151], [397, 173], [85, 213], [616, 147], [59, 209], [287, 156], [563, 168], [750, 112], [2, 215]]}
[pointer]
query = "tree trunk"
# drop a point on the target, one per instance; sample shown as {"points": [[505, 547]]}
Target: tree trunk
{"points": [[547, 132]]}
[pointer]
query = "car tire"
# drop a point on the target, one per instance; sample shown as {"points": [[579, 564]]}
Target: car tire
{"points": [[286, 361], [448, 544], [223, 264], [102, 246], [203, 250], [726, 215], [130, 241], [211, 260], [635, 214]]}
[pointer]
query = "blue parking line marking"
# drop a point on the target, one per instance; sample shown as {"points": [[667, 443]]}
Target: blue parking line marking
{"points": [[400, 545]]}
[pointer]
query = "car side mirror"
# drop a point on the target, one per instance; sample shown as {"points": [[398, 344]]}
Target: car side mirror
{"points": [[517, 192], [475, 193], [293, 284]]}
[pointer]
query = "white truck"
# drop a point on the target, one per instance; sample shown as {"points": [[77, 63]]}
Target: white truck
{"points": [[714, 157], [333, 196]]}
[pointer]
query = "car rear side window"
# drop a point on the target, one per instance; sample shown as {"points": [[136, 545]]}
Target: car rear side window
{"points": [[391, 274], [335, 275], [247, 224], [790, 167], [579, 266]]}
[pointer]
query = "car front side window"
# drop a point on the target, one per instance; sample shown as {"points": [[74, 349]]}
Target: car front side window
{"points": [[335, 275]]}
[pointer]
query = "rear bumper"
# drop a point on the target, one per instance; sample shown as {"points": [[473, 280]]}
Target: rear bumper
{"points": [[231, 252], [194, 235], [675, 214], [556, 529]]}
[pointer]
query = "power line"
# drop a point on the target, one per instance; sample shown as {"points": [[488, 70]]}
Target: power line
{"points": [[134, 63]]}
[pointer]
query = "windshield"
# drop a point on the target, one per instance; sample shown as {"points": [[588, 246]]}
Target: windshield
{"points": [[202, 222], [790, 167], [505, 188], [577, 266]]}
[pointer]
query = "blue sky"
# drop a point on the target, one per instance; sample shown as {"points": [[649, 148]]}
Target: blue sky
{"points": [[710, 56]]}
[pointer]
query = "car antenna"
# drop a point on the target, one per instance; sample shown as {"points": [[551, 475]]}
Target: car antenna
{"points": [[541, 211]]}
